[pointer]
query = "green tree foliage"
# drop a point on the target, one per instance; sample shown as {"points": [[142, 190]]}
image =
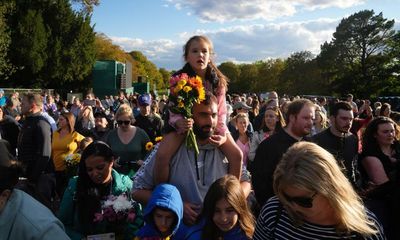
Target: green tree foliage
{"points": [[6, 68], [355, 59], [147, 70], [86, 6], [52, 46], [301, 75], [232, 71], [166, 75], [268, 75]]}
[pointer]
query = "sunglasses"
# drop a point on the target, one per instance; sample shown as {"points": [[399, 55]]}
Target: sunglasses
{"points": [[120, 122], [305, 202]]}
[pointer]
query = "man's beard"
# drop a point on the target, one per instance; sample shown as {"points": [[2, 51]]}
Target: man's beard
{"points": [[202, 134]]}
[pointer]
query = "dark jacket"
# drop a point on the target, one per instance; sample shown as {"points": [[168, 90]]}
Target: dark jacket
{"points": [[151, 124], [9, 130], [344, 149], [165, 196], [268, 155], [34, 146]]}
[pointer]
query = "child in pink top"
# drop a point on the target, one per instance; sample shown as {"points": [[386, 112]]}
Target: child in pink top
{"points": [[197, 54]]}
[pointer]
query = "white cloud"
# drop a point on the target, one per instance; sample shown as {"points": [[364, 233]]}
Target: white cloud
{"points": [[246, 43], [223, 11]]}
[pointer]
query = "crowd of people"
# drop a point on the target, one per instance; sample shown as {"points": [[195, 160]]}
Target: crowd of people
{"points": [[267, 168]]}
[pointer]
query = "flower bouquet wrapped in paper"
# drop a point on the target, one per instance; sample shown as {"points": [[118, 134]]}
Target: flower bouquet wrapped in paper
{"points": [[185, 91], [116, 213]]}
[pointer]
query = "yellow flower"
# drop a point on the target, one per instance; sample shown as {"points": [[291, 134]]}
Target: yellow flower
{"points": [[178, 88], [182, 83], [149, 146], [202, 94], [187, 89], [158, 139], [181, 105]]}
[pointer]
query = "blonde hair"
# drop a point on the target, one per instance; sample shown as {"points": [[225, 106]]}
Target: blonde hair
{"points": [[308, 166], [242, 115], [84, 143], [124, 109], [324, 119]]}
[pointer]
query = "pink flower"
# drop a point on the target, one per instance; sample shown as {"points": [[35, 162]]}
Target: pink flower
{"points": [[131, 216], [175, 79], [98, 217]]}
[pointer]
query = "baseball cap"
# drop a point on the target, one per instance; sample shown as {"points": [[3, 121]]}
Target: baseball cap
{"points": [[100, 115], [144, 99], [241, 105]]}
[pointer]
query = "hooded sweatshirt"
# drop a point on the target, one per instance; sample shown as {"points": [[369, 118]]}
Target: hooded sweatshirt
{"points": [[165, 196]]}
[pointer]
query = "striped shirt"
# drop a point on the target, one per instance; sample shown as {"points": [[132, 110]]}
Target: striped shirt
{"points": [[269, 227]]}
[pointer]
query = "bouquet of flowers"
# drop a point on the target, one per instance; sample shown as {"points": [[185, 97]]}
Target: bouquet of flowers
{"points": [[116, 211], [185, 91], [72, 161]]}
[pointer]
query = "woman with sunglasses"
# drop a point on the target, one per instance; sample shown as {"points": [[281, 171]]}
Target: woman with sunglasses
{"points": [[314, 200], [127, 142]]}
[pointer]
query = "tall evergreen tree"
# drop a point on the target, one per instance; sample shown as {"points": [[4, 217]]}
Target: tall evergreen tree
{"points": [[355, 57], [52, 45]]}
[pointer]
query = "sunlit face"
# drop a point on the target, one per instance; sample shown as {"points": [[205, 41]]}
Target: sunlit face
{"points": [[241, 124], [343, 120], [164, 220], [98, 169], [225, 216], [270, 119], [385, 135], [198, 56], [205, 119], [302, 123]]}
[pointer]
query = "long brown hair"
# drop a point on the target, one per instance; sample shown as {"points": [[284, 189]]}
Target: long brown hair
{"points": [[70, 120], [228, 188], [223, 80]]}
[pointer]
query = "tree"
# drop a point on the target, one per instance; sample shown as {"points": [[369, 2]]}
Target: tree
{"points": [[52, 46], [232, 72], [166, 75], [106, 50], [356, 55], [146, 69], [248, 77], [268, 75], [6, 68], [86, 6]]}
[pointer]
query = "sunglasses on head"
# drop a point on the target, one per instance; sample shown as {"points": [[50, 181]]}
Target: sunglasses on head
{"points": [[305, 202], [120, 122]]}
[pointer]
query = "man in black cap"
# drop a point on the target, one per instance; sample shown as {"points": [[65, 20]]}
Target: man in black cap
{"points": [[102, 127], [146, 120]]}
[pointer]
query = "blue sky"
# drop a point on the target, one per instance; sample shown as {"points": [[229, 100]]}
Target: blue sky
{"points": [[241, 30]]}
